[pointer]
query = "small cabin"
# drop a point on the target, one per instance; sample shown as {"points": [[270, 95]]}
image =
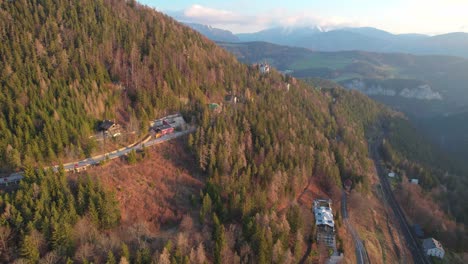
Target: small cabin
{"points": [[414, 181], [109, 128], [231, 99]]}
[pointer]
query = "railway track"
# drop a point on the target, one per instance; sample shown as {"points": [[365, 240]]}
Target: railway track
{"points": [[412, 243]]}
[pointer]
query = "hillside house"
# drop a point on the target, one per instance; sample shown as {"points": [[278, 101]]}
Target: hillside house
{"points": [[414, 181], [14, 178], [325, 225], [162, 130], [109, 128], [167, 125], [433, 248], [231, 99], [264, 68]]}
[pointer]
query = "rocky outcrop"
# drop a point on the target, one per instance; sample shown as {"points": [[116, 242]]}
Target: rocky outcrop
{"points": [[411, 90], [422, 92]]}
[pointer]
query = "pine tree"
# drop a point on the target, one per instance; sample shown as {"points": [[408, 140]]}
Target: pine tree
{"points": [[219, 240], [29, 249], [93, 213], [110, 258], [124, 253], [206, 207], [132, 157]]}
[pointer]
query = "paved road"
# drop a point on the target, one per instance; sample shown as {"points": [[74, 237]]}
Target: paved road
{"points": [[82, 164], [361, 254], [411, 242]]}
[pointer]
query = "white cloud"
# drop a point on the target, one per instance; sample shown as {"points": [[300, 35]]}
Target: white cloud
{"points": [[248, 23], [211, 15], [437, 16]]}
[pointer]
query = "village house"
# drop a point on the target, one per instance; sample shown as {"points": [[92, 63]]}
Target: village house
{"points": [[264, 68], [433, 248], [109, 128]]}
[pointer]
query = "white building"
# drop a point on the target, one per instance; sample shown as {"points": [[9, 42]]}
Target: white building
{"points": [[264, 68], [391, 175], [433, 248], [414, 181], [324, 216], [324, 222]]}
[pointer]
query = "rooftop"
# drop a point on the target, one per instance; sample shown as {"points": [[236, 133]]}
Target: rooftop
{"points": [[323, 213], [106, 124], [432, 243]]}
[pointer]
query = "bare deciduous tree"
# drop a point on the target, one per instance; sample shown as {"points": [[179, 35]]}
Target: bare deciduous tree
{"points": [[182, 243], [5, 237], [50, 258], [165, 257]]}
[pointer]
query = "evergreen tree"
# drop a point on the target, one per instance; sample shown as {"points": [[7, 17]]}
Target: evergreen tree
{"points": [[110, 258]]}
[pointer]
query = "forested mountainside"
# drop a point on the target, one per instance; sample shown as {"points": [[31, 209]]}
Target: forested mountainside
{"points": [[67, 64]]}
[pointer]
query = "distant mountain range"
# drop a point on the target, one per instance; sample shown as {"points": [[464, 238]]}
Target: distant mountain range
{"points": [[345, 39], [215, 34]]}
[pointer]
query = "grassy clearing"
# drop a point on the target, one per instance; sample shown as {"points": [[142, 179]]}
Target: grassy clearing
{"points": [[321, 61]]}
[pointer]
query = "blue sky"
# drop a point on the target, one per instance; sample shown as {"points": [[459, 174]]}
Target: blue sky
{"points": [[396, 16]]}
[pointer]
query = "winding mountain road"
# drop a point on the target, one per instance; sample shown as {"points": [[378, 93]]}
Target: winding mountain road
{"points": [[82, 164], [361, 254]]}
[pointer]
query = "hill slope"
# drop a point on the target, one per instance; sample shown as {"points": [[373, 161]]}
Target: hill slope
{"points": [[61, 73]]}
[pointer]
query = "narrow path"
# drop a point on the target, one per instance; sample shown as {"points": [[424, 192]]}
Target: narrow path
{"points": [[361, 254]]}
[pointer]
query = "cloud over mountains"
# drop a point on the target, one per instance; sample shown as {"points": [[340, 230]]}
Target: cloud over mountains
{"points": [[249, 23]]}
